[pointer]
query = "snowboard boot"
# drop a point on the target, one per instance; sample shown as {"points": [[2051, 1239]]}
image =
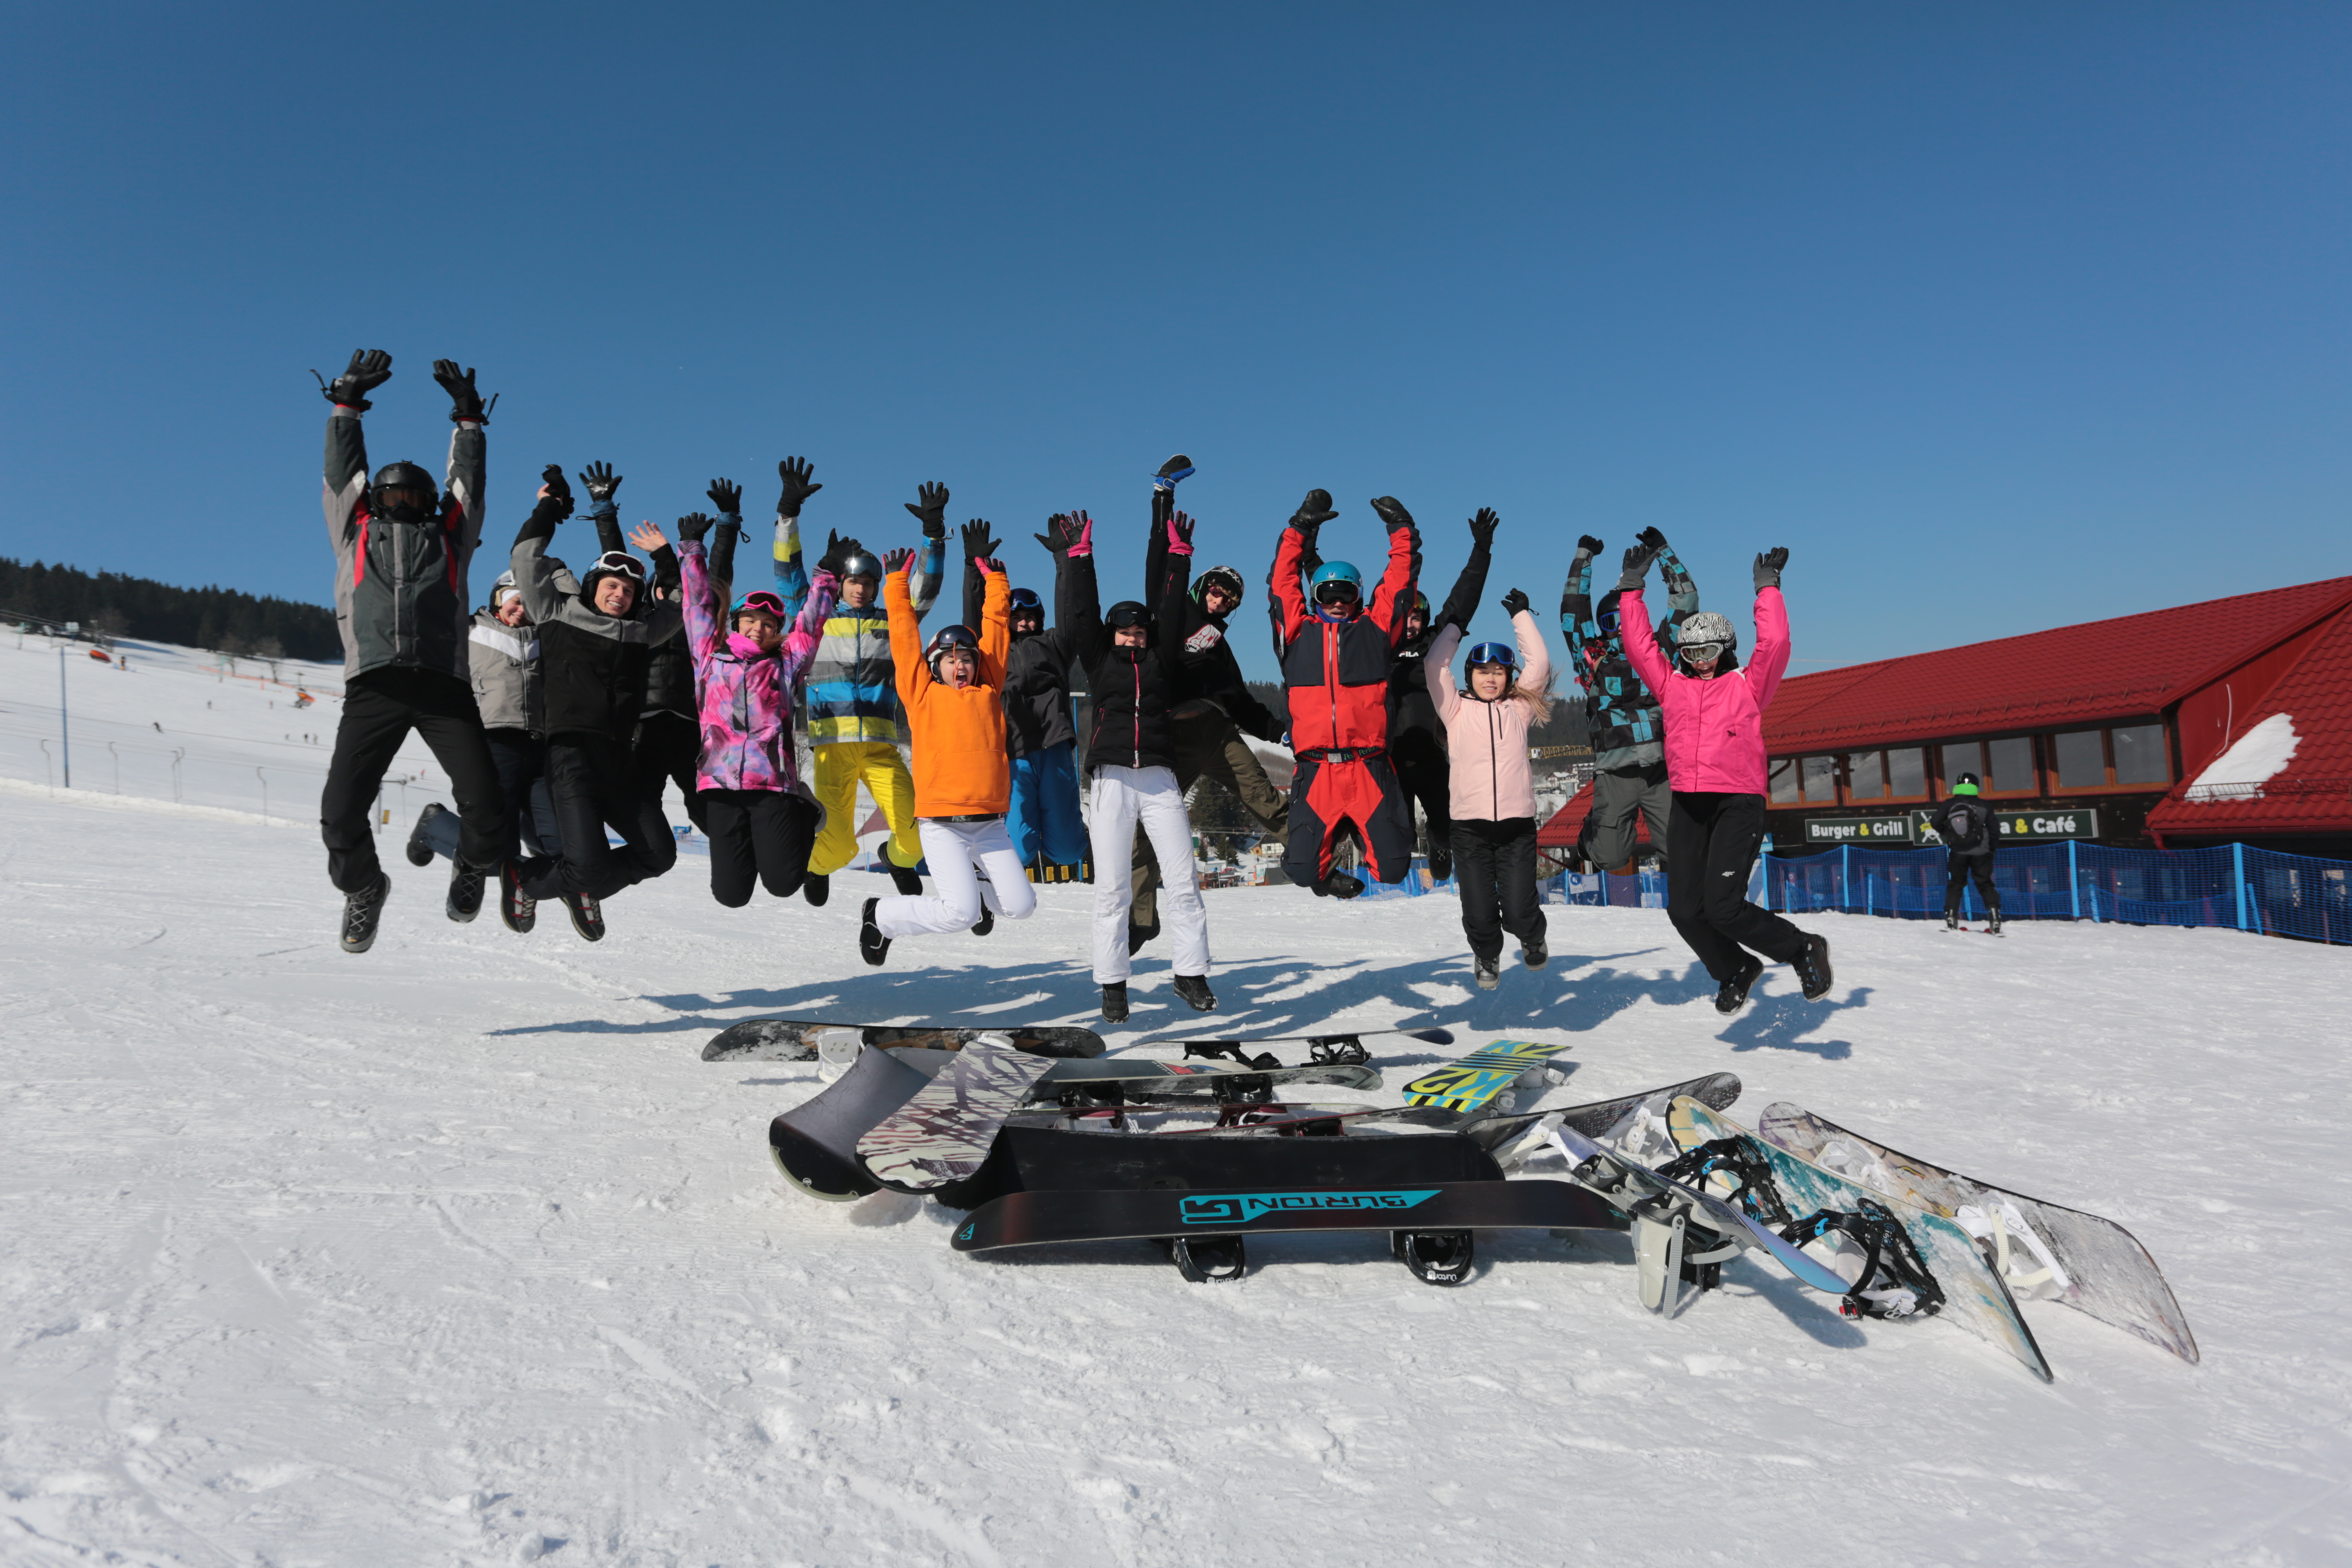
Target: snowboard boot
{"points": [[465, 901], [986, 923], [1732, 994], [1441, 862], [1992, 921], [1490, 971], [517, 908], [903, 879], [1338, 884], [872, 945], [1194, 989], [587, 916], [360, 912], [816, 889], [1113, 1002], [1535, 954], [420, 848], [1952, 916], [1812, 967]]}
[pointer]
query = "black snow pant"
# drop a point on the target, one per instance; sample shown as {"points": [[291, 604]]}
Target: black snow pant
{"points": [[1958, 867], [380, 708], [522, 758], [1208, 744], [760, 835], [1426, 774], [1716, 839], [1496, 865], [592, 781], [1334, 790], [669, 746]]}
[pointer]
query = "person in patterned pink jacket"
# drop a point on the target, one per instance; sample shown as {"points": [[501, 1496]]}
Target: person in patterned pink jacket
{"points": [[761, 818]]}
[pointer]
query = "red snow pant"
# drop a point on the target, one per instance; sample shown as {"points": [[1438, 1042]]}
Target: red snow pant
{"points": [[1331, 789]]}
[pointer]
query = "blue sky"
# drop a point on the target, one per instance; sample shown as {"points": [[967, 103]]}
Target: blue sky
{"points": [[1998, 316]]}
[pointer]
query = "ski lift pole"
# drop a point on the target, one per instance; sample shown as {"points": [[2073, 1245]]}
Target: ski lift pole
{"points": [[65, 735], [264, 792]]}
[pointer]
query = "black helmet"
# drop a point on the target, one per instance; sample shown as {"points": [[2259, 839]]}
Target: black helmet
{"points": [[947, 638], [1224, 577], [1025, 602], [613, 564], [858, 564], [1127, 613], [1420, 605], [403, 494]]}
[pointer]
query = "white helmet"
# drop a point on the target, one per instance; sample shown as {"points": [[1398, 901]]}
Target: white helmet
{"points": [[1706, 635]]}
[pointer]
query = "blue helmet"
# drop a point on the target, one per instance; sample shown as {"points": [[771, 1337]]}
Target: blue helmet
{"points": [[1339, 572]]}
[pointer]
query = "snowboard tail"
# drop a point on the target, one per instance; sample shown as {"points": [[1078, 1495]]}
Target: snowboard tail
{"points": [[794, 1039]]}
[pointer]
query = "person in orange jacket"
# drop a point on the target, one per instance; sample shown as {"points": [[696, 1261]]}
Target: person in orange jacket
{"points": [[953, 693]]}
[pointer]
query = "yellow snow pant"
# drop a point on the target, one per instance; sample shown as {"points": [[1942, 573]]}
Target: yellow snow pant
{"points": [[839, 769]]}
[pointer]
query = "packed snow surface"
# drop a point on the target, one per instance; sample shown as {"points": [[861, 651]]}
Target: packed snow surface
{"points": [[2253, 760], [455, 1253]]}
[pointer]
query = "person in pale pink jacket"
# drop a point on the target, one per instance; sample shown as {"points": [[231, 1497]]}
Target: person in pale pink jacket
{"points": [[1715, 765], [1493, 792]]}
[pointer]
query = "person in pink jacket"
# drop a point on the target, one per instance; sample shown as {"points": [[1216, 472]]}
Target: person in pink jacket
{"points": [[760, 820], [1493, 790], [1714, 713]]}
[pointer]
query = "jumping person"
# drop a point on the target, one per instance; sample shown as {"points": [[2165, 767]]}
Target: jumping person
{"points": [[1040, 734], [668, 744], [853, 706], [1492, 819], [760, 820], [1628, 758], [1971, 834], [953, 691], [1335, 656], [402, 553], [594, 646], [1714, 715]]}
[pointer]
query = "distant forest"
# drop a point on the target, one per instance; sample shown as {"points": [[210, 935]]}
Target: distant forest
{"points": [[125, 606]]}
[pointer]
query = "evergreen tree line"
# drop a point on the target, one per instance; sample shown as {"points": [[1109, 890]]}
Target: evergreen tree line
{"points": [[122, 605]]}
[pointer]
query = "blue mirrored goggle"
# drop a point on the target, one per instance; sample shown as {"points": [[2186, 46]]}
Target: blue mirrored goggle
{"points": [[1500, 653], [1608, 621]]}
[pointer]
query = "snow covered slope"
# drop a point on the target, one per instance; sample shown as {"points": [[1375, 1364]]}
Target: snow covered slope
{"points": [[455, 1253]]}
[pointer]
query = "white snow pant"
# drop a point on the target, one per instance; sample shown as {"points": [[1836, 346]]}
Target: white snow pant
{"points": [[959, 855], [1121, 798]]}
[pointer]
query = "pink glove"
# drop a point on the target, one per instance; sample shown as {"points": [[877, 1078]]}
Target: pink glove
{"points": [[1179, 535], [1085, 527]]}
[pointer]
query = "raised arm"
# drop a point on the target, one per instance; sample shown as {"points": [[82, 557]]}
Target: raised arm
{"points": [[662, 618], [467, 480], [533, 576], [930, 508], [791, 576], [800, 642], [1285, 598], [1176, 538], [1470, 587], [1769, 660], [1681, 593], [906, 633], [727, 501], [1081, 595], [1393, 598], [1642, 650], [1534, 657], [1576, 617], [346, 468], [996, 627], [1437, 669], [704, 624], [979, 546], [603, 484]]}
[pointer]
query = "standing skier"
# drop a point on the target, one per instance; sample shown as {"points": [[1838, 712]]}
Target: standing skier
{"points": [[1629, 757], [1492, 783], [402, 553], [759, 819], [1969, 833], [1714, 713], [1040, 735], [853, 706], [953, 691], [594, 646], [1129, 654], [1335, 656]]}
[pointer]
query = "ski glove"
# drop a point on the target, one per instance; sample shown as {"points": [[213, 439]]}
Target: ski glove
{"points": [[1172, 472], [1081, 533], [556, 486], [601, 480], [1482, 528], [465, 403], [694, 525], [837, 551], [1313, 513], [727, 496], [1587, 545], [1054, 539], [1393, 513], [369, 369], [798, 486], [977, 543], [1654, 539], [1768, 567], [930, 507], [897, 561], [1637, 566], [1180, 535], [1514, 602]]}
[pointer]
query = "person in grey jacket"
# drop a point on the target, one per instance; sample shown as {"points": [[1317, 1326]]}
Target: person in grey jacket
{"points": [[401, 551]]}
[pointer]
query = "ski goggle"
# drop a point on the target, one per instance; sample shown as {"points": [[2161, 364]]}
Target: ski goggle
{"points": [[763, 603], [1126, 612], [952, 639], [1338, 590], [1704, 652], [619, 564], [1607, 620], [1500, 653], [1026, 600]]}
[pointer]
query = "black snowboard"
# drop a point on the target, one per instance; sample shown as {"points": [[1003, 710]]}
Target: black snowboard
{"points": [[1037, 1218], [794, 1039]]}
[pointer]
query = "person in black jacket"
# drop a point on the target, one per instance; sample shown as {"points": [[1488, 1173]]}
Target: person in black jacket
{"points": [[1040, 736], [1130, 751], [670, 735], [593, 655], [1970, 832]]}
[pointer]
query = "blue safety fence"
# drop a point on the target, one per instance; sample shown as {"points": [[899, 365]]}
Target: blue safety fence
{"points": [[2233, 885]]}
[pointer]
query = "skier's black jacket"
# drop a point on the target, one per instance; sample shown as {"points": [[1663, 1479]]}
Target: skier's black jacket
{"points": [[593, 665], [669, 669], [1986, 826], [1206, 668], [1411, 710], [1037, 672], [1134, 689]]}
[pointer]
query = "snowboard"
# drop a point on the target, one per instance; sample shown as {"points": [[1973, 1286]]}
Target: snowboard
{"points": [[1344, 1046], [1111, 1080], [1611, 1122], [2092, 1265], [943, 1131], [794, 1039], [814, 1144], [1482, 1076], [1974, 1296]]}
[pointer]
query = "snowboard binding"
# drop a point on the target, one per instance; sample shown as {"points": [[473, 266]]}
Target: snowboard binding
{"points": [[1231, 1050], [1435, 1257], [1208, 1259], [1747, 1172], [1336, 1050], [1894, 1281]]}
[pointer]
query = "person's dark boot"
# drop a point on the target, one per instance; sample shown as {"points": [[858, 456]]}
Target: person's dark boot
{"points": [[1113, 1002], [420, 848], [1194, 989], [816, 889], [1535, 954], [587, 916], [517, 908], [1992, 920], [905, 880], [1812, 967], [465, 901], [1732, 994], [1489, 970], [986, 923], [361, 911], [1952, 915], [872, 945], [1339, 885]]}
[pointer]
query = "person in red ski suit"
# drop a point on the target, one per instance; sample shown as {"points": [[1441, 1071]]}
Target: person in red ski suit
{"points": [[1336, 652]]}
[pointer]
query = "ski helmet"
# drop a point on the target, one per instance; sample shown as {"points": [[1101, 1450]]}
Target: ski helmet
{"points": [[945, 640], [1500, 653], [1420, 605], [1025, 601], [858, 564], [1127, 613], [613, 564], [1340, 581], [1707, 636], [403, 492], [1224, 577], [1604, 614], [761, 602], [1969, 785]]}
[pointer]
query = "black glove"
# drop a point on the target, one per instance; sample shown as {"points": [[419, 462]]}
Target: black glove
{"points": [[465, 403], [1056, 537], [1393, 512], [694, 525], [930, 505], [1514, 602], [1313, 513], [558, 488], [1654, 539], [897, 560], [978, 543], [727, 496], [1768, 565], [837, 551], [369, 369], [1482, 528], [601, 480], [1587, 545], [1637, 566], [798, 486]]}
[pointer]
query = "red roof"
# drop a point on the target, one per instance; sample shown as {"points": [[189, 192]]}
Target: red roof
{"points": [[2313, 794], [1559, 829], [2086, 674]]}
